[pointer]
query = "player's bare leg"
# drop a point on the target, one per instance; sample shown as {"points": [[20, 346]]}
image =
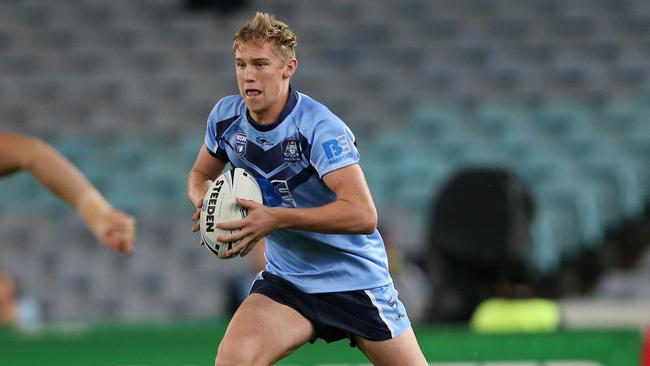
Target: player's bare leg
{"points": [[261, 332], [400, 351]]}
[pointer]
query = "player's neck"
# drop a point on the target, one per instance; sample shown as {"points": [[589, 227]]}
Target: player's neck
{"points": [[271, 115]]}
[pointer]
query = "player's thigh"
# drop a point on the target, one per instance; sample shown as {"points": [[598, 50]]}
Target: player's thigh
{"points": [[262, 331], [402, 350]]}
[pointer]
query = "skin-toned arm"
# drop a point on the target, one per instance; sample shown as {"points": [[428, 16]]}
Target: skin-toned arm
{"points": [[353, 212], [7, 299], [206, 168], [112, 227]]}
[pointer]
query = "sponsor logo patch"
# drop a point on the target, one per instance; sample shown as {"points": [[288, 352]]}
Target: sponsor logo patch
{"points": [[337, 149], [282, 188], [263, 141]]}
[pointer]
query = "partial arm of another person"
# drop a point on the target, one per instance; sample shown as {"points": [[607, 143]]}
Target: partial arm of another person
{"points": [[112, 227], [353, 212], [7, 299]]}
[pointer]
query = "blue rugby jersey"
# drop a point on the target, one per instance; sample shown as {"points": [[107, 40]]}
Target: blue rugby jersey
{"points": [[289, 159]]}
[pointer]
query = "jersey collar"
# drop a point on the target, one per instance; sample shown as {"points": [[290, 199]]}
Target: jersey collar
{"points": [[291, 103]]}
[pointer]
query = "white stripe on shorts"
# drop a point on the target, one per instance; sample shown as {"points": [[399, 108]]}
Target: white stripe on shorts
{"points": [[381, 312]]}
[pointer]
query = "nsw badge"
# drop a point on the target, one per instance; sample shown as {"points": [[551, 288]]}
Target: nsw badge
{"points": [[240, 144]]}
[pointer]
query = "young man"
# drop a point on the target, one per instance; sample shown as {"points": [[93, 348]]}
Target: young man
{"points": [[112, 227], [326, 272]]}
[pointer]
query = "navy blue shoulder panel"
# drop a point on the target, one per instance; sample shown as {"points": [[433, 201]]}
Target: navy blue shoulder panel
{"points": [[222, 126]]}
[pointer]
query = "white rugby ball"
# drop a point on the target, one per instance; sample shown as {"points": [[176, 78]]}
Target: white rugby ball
{"points": [[219, 206]]}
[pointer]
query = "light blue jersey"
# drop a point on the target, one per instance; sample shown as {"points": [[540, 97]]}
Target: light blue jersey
{"points": [[289, 159]]}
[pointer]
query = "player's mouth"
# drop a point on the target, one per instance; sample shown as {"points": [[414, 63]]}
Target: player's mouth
{"points": [[252, 93]]}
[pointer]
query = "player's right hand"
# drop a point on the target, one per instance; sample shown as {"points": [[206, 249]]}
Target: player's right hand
{"points": [[196, 216], [116, 229], [196, 198]]}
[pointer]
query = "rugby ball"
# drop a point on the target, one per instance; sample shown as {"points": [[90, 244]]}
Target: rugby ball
{"points": [[219, 206]]}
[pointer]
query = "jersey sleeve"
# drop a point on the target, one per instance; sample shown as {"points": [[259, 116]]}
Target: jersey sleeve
{"points": [[333, 147], [212, 135]]}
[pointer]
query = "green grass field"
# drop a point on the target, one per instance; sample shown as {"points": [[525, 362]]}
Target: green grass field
{"points": [[195, 344]]}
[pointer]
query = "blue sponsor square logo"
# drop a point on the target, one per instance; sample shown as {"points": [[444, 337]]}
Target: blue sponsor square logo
{"points": [[337, 149]]}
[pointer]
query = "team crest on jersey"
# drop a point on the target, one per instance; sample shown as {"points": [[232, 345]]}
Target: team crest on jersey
{"points": [[240, 144], [291, 150]]}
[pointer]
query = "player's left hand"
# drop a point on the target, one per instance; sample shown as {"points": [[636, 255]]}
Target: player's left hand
{"points": [[254, 227]]}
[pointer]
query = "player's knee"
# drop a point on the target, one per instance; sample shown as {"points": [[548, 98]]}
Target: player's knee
{"points": [[239, 359], [231, 359], [238, 355]]}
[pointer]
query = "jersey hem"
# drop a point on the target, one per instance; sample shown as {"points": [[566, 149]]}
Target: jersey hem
{"points": [[319, 290]]}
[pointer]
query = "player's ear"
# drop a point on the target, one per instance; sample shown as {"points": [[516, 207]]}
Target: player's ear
{"points": [[290, 68]]}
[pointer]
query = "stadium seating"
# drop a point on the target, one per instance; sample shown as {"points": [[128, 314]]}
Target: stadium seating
{"points": [[553, 90]]}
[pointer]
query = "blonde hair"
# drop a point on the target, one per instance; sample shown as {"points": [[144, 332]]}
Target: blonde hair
{"points": [[265, 28]]}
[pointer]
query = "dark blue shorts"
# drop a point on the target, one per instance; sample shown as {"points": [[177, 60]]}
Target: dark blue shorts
{"points": [[374, 314]]}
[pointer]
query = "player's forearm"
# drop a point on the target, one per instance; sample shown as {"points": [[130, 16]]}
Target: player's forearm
{"points": [[197, 184], [14, 152], [339, 217], [59, 175]]}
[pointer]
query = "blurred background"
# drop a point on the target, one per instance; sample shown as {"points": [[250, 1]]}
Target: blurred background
{"points": [[506, 144]]}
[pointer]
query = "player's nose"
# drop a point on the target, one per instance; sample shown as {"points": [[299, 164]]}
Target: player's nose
{"points": [[249, 75]]}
